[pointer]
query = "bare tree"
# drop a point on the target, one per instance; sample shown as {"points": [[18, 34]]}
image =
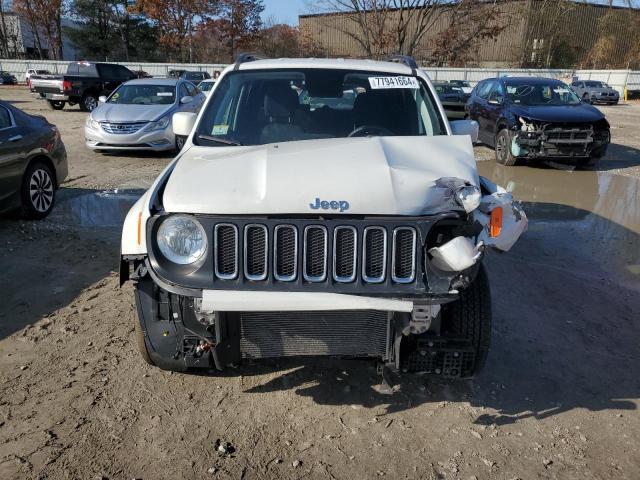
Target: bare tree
{"points": [[383, 27]]}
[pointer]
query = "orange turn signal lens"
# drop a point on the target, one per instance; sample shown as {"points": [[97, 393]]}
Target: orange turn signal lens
{"points": [[139, 227], [495, 224]]}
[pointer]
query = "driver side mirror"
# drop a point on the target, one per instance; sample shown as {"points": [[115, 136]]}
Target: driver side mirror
{"points": [[186, 99], [466, 127], [102, 99]]}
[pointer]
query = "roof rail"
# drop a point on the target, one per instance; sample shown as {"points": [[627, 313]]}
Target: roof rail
{"points": [[248, 57], [405, 59]]}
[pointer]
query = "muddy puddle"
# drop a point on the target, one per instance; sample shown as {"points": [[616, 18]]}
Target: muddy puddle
{"points": [[585, 213], [578, 212], [91, 208]]}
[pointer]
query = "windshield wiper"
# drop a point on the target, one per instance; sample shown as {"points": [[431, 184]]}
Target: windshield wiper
{"points": [[211, 138]]}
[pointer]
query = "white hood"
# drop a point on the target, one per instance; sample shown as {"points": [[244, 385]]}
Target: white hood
{"points": [[376, 176]]}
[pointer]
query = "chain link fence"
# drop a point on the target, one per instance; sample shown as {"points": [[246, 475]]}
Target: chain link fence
{"points": [[618, 79]]}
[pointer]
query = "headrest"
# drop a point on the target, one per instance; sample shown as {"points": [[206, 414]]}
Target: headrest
{"points": [[280, 100]]}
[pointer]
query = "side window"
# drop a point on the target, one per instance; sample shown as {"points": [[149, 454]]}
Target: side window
{"points": [[484, 89], [124, 73], [497, 92], [5, 117], [191, 89], [183, 92]]}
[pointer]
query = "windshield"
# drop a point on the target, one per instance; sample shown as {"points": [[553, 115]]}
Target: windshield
{"points": [[194, 76], [261, 107], [595, 84], [442, 88], [144, 95], [206, 86], [552, 93], [460, 83]]}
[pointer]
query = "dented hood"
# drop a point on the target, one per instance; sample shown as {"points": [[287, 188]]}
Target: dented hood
{"points": [[374, 176]]}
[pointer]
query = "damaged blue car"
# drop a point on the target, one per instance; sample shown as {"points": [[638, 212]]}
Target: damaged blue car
{"points": [[527, 118]]}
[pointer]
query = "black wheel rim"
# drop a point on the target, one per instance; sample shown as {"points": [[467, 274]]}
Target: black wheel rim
{"points": [[90, 103], [41, 190], [180, 143]]}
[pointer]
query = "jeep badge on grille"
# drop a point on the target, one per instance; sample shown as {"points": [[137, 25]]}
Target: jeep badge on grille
{"points": [[342, 205]]}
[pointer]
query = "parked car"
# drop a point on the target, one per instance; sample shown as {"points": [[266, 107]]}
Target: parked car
{"points": [[352, 229], [33, 162], [8, 78], [175, 73], [453, 100], [31, 72], [463, 84], [537, 118], [137, 115], [195, 77], [595, 92], [205, 86], [142, 74], [83, 84]]}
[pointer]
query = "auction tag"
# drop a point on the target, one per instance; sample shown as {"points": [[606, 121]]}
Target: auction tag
{"points": [[164, 94], [220, 130], [379, 83]]}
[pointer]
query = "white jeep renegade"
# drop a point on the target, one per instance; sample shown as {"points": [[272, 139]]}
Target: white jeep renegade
{"points": [[319, 207]]}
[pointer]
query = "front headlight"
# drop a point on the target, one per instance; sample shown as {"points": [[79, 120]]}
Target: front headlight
{"points": [[91, 123], [182, 239], [468, 197], [160, 124]]}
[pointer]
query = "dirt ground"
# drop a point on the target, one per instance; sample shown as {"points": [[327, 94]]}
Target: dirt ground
{"points": [[558, 397]]}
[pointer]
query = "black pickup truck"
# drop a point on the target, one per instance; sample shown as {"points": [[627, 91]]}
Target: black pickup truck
{"points": [[83, 84]]}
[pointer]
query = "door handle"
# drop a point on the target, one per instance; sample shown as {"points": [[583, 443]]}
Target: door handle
{"points": [[15, 138]]}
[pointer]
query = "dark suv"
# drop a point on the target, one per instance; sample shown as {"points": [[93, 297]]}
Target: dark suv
{"points": [[535, 118]]}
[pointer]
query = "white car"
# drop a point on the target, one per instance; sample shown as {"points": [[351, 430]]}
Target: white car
{"points": [[31, 72], [137, 115], [206, 86], [462, 85], [319, 207]]}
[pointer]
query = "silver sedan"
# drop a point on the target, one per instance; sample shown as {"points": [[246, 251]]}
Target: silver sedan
{"points": [[137, 115]]}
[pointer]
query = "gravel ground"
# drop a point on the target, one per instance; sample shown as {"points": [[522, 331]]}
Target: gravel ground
{"points": [[558, 397]]}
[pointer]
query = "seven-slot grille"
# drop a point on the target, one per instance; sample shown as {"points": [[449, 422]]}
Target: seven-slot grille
{"points": [[122, 128], [315, 253]]}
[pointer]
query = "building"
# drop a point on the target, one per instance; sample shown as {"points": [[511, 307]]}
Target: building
{"points": [[17, 39], [533, 33]]}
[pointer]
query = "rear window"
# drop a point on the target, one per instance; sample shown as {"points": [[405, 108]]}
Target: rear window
{"points": [[82, 69]]}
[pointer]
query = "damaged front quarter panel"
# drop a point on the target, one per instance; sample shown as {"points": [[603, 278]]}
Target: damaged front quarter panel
{"points": [[499, 220], [512, 219]]}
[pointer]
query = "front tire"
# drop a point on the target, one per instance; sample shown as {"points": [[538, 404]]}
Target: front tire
{"points": [[180, 141], [503, 149], [56, 104], [38, 191], [89, 102], [467, 321]]}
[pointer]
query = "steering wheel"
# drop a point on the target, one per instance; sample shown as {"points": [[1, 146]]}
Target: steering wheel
{"points": [[365, 130]]}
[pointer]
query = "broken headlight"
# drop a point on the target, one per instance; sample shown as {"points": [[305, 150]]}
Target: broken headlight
{"points": [[468, 197], [182, 239]]}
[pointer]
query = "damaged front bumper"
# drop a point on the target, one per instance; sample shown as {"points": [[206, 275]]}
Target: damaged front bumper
{"points": [[218, 322], [559, 140]]}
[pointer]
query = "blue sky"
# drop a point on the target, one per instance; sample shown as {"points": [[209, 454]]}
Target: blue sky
{"points": [[284, 11]]}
